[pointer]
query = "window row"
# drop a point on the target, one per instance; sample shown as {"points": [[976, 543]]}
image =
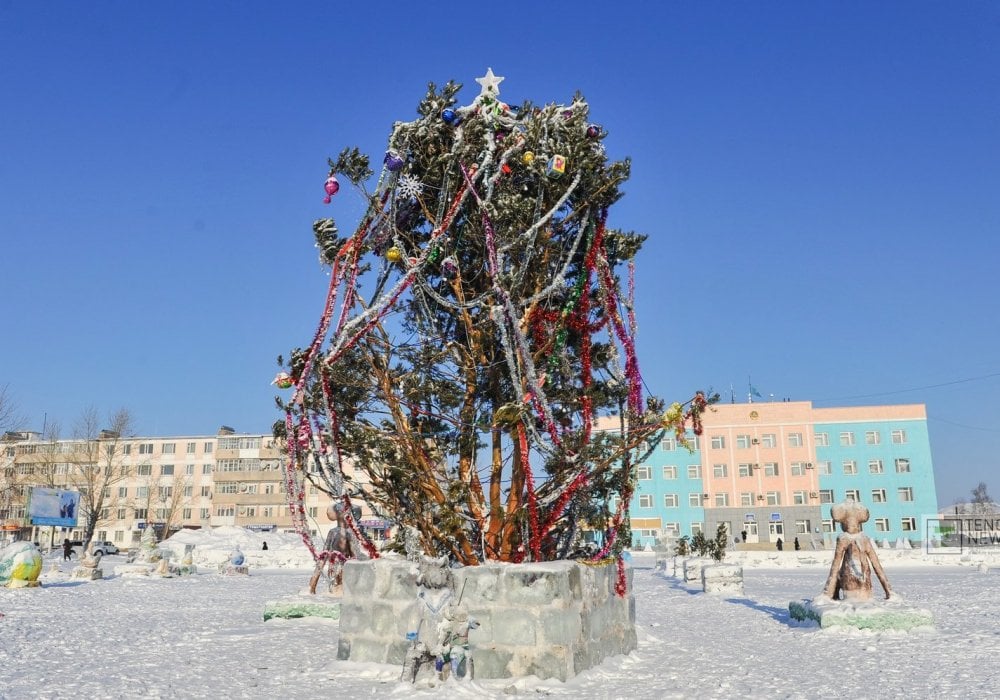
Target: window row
{"points": [[768, 440], [904, 494], [906, 524]]}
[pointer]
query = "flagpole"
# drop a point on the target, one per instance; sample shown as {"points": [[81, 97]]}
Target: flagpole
{"points": [[749, 389]]}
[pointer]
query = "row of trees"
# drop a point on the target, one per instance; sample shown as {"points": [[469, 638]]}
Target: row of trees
{"points": [[93, 461]]}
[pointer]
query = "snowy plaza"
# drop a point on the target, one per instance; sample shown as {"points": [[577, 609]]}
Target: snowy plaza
{"points": [[204, 636]]}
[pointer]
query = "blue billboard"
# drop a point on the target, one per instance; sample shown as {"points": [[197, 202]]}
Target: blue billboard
{"points": [[56, 507]]}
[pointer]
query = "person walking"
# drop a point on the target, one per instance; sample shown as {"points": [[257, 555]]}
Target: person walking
{"points": [[797, 545], [264, 548], [67, 550], [779, 544]]}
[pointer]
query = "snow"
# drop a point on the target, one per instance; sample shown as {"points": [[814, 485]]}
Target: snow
{"points": [[204, 636]]}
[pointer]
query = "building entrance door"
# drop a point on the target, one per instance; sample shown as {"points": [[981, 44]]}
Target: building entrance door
{"points": [[753, 536], [776, 530]]}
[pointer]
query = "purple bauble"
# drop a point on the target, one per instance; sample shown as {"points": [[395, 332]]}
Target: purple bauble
{"points": [[593, 131], [393, 161], [331, 186]]}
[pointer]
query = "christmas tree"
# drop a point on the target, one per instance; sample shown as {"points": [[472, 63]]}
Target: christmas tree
{"points": [[475, 326]]}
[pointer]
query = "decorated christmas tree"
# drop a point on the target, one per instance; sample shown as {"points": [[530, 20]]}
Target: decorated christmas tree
{"points": [[478, 320]]}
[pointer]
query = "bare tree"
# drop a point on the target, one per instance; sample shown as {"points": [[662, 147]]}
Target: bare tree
{"points": [[10, 416], [982, 502], [164, 501], [97, 463]]}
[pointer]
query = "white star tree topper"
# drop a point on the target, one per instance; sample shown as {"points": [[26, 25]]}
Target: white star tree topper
{"points": [[489, 84]]}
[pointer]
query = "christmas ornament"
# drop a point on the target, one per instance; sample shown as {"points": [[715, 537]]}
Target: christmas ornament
{"points": [[593, 131], [394, 254], [283, 380], [556, 166], [332, 187], [489, 84], [408, 187], [449, 267], [449, 116], [393, 161], [528, 158]]}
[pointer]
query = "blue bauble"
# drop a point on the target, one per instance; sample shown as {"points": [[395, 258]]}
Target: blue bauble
{"points": [[449, 116], [393, 161]]}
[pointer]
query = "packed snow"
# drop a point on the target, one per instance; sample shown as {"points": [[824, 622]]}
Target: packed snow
{"points": [[204, 636]]}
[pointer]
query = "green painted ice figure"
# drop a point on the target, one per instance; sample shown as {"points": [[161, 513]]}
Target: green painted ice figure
{"points": [[879, 616], [302, 608]]}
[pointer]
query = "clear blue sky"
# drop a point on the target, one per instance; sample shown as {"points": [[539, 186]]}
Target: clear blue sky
{"points": [[819, 181]]}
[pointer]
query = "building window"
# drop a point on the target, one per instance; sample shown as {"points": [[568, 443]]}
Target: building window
{"points": [[769, 440], [875, 466], [720, 470], [251, 511], [852, 495], [694, 471], [644, 473], [645, 501], [207, 447], [268, 488], [850, 466], [694, 500], [773, 498], [746, 498], [144, 470], [905, 493], [186, 513], [205, 513], [872, 437], [881, 524], [795, 439], [827, 526], [188, 491], [189, 469], [800, 498], [743, 441], [770, 469], [206, 469], [825, 467], [902, 466], [801, 527], [670, 472], [722, 500], [146, 448], [697, 527], [166, 492], [228, 511], [206, 491], [798, 468], [142, 492], [670, 500], [826, 496], [167, 470], [878, 495], [909, 524], [123, 492], [822, 439], [140, 513], [226, 487], [669, 444], [745, 470], [898, 437], [168, 448], [718, 442], [121, 514], [846, 439]]}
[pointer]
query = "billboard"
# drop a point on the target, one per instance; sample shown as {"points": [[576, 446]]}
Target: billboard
{"points": [[53, 507]]}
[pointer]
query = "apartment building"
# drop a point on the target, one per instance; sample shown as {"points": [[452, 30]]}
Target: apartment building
{"points": [[772, 470], [167, 483]]}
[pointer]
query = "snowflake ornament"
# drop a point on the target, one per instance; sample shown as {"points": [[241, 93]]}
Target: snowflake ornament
{"points": [[408, 187]]}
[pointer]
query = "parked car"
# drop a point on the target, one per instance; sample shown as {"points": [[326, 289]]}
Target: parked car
{"points": [[104, 547]]}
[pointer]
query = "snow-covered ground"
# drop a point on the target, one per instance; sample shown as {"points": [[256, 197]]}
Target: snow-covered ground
{"points": [[204, 636]]}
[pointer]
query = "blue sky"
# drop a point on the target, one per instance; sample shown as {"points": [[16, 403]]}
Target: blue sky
{"points": [[819, 182]]}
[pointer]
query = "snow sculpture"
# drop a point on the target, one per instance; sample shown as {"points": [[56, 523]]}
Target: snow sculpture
{"points": [[90, 567], [855, 558], [236, 565], [340, 545], [854, 562], [435, 589], [20, 565]]}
